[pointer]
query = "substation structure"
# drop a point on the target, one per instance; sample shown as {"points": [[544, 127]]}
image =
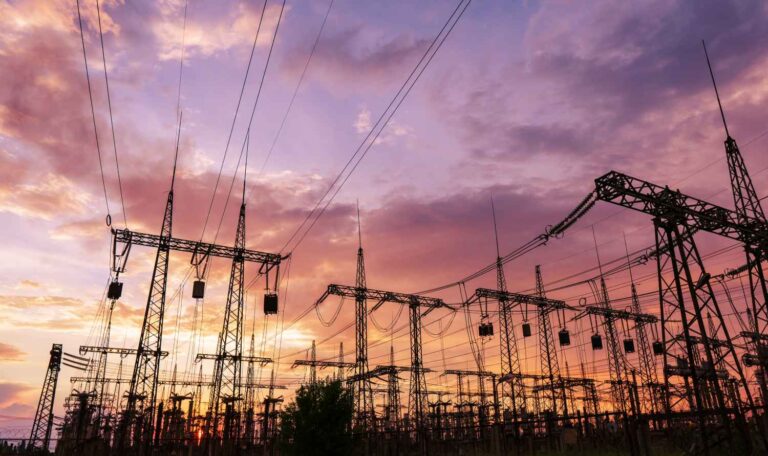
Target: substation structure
{"points": [[695, 383]]}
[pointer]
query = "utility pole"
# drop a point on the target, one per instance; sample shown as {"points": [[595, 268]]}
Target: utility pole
{"points": [[43, 423]]}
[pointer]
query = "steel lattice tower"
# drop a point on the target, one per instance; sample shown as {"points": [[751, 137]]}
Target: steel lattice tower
{"points": [[617, 364], [750, 212], [362, 392], [228, 366], [695, 357], [417, 400], [550, 367], [393, 394], [514, 390], [43, 424], [648, 375], [142, 393]]}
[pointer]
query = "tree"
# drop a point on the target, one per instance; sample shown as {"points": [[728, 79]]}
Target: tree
{"points": [[318, 421]]}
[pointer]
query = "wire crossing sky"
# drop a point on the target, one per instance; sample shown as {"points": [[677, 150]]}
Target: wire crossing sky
{"points": [[526, 103]]}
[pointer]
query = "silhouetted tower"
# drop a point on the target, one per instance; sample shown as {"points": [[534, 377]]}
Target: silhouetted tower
{"points": [[648, 375], [198, 399], [43, 423], [686, 295], [513, 391], [142, 393], [418, 386], [550, 366], [617, 364], [362, 393], [227, 374], [313, 365], [340, 369], [249, 405], [393, 394], [101, 366], [750, 213]]}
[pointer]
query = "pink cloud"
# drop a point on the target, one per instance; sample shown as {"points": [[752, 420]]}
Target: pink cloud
{"points": [[10, 352]]}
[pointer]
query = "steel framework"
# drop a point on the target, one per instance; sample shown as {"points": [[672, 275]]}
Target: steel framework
{"points": [[689, 342], [43, 422], [418, 386]]}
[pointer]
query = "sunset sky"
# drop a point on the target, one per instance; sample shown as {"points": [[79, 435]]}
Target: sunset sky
{"points": [[526, 102]]}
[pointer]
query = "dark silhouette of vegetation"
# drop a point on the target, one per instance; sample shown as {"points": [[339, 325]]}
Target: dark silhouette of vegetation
{"points": [[318, 421]]}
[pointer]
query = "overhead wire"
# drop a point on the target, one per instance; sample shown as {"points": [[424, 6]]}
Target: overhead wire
{"points": [[298, 86], [370, 139], [234, 121], [93, 116], [111, 121]]}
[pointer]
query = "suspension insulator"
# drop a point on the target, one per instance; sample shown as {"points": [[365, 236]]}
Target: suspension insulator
{"points": [[115, 290], [485, 329], [526, 329], [565, 337], [629, 346], [198, 289], [658, 348], [597, 342], [270, 303]]}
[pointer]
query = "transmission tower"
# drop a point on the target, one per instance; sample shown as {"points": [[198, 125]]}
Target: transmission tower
{"points": [[550, 366], [513, 391], [392, 414], [648, 375], [43, 423], [361, 390], [228, 364], [142, 393], [749, 212], [685, 335], [313, 363], [617, 364], [418, 386]]}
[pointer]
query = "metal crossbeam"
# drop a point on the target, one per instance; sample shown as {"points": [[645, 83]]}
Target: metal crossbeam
{"points": [[519, 298], [125, 236], [620, 314], [382, 296], [173, 382], [245, 359], [322, 364], [123, 352], [696, 214]]}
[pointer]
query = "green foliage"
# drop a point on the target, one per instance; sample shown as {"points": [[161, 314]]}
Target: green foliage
{"points": [[318, 421]]}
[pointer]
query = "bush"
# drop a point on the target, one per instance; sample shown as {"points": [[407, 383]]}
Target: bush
{"points": [[318, 421]]}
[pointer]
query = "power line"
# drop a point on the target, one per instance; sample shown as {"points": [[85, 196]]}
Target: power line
{"points": [[253, 112], [298, 85], [234, 120], [111, 121], [93, 115], [371, 137]]}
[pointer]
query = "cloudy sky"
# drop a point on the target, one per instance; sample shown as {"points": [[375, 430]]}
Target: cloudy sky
{"points": [[526, 102]]}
